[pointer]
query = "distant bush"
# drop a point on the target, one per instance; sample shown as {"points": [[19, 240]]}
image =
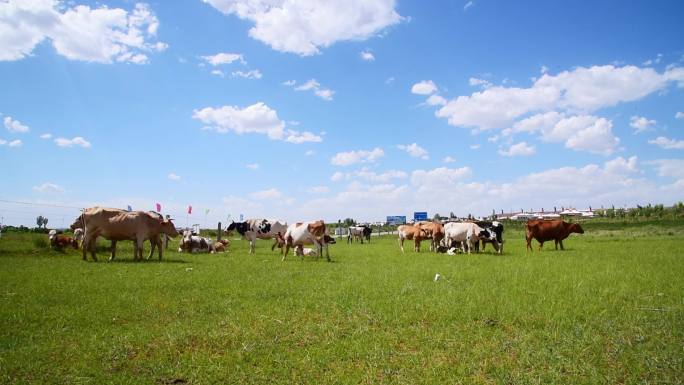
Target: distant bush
{"points": [[40, 243]]}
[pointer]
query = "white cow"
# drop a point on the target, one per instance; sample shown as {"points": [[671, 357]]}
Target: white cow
{"points": [[259, 228], [466, 232]]}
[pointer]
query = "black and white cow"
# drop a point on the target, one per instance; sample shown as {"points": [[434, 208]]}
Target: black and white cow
{"points": [[361, 232], [497, 229], [259, 228]]}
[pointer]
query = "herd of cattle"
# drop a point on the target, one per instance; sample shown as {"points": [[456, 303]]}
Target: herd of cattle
{"points": [[138, 226]]}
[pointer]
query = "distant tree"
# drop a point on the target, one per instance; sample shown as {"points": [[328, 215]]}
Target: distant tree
{"points": [[436, 217], [45, 222], [39, 221], [452, 215]]}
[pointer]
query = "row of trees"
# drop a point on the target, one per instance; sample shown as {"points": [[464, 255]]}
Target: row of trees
{"points": [[649, 211]]}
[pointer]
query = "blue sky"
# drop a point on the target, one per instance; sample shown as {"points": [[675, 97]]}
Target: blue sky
{"points": [[318, 109]]}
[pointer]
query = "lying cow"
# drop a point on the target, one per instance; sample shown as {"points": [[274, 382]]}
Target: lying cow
{"points": [[309, 252], [60, 241], [191, 243], [413, 233], [307, 233], [259, 228], [546, 230]]}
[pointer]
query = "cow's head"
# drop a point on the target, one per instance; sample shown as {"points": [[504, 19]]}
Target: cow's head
{"points": [[78, 223], [168, 228], [575, 228], [327, 239], [231, 226]]}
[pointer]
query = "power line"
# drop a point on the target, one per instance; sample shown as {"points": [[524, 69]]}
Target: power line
{"points": [[40, 204]]}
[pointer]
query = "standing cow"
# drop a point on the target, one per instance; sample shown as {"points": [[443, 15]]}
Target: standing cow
{"points": [[433, 231], [414, 233], [546, 230], [307, 233], [259, 228], [118, 225], [467, 233], [361, 232], [493, 227]]}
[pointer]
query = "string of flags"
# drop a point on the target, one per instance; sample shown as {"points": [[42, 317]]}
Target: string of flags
{"points": [[158, 209]]}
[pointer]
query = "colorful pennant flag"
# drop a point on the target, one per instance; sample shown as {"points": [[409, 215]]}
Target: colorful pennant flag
{"points": [[206, 212], [190, 209], [158, 208], [130, 208]]}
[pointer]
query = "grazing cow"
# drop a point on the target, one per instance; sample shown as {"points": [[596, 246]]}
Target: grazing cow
{"points": [[433, 231], [546, 230], [307, 233], [259, 228], [414, 233], [60, 241], [493, 227], [467, 232], [118, 225], [196, 244], [361, 232]]}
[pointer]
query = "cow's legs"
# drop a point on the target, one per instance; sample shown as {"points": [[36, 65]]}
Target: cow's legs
{"points": [[541, 244], [561, 244], [528, 240], [251, 246], [287, 250], [113, 251], [327, 251], [139, 247]]}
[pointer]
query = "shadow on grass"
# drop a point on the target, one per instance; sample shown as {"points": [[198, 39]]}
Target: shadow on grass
{"points": [[128, 260]]}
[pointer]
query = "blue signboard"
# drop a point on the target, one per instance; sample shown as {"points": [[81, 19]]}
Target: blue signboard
{"points": [[396, 220], [420, 216]]}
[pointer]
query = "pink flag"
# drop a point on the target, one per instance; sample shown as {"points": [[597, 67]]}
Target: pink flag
{"points": [[158, 207], [190, 209]]}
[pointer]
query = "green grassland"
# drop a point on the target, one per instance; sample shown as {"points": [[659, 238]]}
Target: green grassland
{"points": [[607, 310]]}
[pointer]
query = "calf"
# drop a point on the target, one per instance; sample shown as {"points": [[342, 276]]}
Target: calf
{"points": [[546, 230], [60, 241], [191, 243], [307, 251]]}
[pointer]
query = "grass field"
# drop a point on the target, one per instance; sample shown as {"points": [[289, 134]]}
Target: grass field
{"points": [[607, 310]]}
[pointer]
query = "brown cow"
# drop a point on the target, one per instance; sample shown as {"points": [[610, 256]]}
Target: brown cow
{"points": [[546, 230], [433, 231], [118, 225], [411, 233]]}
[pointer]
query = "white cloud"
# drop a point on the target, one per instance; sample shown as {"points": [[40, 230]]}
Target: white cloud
{"points": [[519, 149], [218, 73], [289, 83], [46, 136], [103, 35], [468, 5], [679, 115], [304, 27], [353, 157], [474, 146], [76, 141], [367, 56], [448, 159], [621, 165], [544, 69], [414, 150], [269, 194], [252, 74], [315, 86], [673, 168], [15, 126], [13, 143], [48, 187], [424, 87], [173, 176], [439, 177], [668, 144], [318, 190], [224, 58], [257, 118], [310, 153], [580, 90], [641, 124], [436, 100], [479, 82], [252, 166], [367, 175]]}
